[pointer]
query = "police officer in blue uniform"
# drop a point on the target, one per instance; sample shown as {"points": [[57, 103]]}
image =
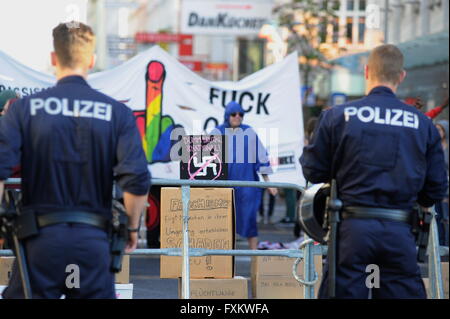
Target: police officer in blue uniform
{"points": [[385, 156], [72, 142]]}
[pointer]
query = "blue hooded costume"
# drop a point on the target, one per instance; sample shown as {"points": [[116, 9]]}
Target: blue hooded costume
{"points": [[246, 158]]}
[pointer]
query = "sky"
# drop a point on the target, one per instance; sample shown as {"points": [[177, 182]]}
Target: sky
{"points": [[26, 28]]}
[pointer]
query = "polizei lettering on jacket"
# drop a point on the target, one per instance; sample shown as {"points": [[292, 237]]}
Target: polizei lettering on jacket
{"points": [[384, 116], [77, 108], [223, 20]]}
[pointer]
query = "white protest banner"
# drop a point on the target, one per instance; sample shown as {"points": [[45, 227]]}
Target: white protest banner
{"points": [[224, 17], [165, 95]]}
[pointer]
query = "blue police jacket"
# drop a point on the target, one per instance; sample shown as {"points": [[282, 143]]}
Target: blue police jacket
{"points": [[382, 153], [71, 142]]}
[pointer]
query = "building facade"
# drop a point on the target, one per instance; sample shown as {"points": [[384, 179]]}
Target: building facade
{"points": [[127, 27], [407, 20], [420, 29]]}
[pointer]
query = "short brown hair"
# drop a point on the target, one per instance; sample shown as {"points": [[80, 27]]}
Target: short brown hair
{"points": [[386, 63], [74, 44]]}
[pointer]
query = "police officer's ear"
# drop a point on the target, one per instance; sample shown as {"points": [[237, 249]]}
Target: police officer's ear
{"points": [[92, 62], [53, 58], [366, 72], [402, 76]]}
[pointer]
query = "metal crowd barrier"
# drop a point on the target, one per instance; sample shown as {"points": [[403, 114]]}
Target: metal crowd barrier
{"points": [[434, 260], [306, 251], [309, 280]]}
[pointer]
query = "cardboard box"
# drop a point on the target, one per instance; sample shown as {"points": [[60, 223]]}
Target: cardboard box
{"points": [[272, 277], [211, 226], [280, 266], [124, 291], [6, 264], [235, 288], [277, 287], [123, 277]]}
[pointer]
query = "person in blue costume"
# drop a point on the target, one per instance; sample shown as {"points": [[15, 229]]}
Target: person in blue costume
{"points": [[246, 157]]}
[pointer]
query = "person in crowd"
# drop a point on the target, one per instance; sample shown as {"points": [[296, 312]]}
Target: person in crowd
{"points": [[442, 207], [7, 97], [267, 218], [247, 158], [419, 104]]}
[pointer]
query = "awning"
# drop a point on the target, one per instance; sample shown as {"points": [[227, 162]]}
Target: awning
{"points": [[428, 50]]}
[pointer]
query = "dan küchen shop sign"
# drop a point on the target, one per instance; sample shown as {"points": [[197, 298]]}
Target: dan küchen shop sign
{"points": [[225, 17]]}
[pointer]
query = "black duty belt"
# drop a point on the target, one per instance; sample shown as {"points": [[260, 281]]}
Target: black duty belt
{"points": [[77, 217], [359, 212]]}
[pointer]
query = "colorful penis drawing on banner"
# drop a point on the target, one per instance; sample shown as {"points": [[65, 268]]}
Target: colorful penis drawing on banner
{"points": [[155, 127]]}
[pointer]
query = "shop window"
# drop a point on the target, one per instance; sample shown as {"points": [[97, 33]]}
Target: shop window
{"points": [[335, 30], [251, 56], [349, 30], [361, 29], [323, 30], [362, 5], [350, 5]]}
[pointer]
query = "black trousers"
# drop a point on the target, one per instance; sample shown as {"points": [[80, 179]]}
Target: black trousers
{"points": [[62, 257]]}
